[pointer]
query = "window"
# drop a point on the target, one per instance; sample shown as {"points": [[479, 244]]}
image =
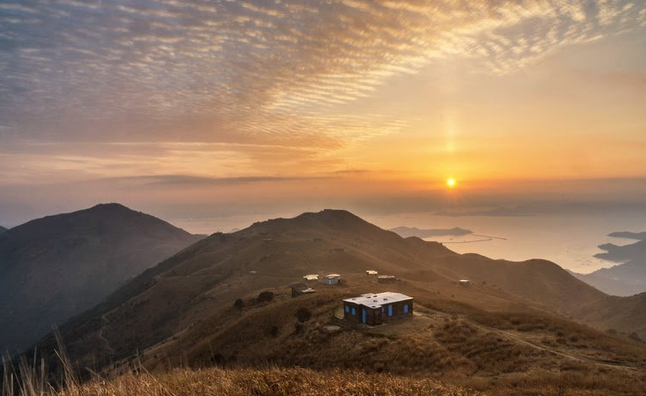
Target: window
{"points": [[354, 312], [390, 310], [406, 308], [347, 308]]}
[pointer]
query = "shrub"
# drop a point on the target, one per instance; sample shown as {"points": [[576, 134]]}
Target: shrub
{"points": [[635, 337], [239, 304], [303, 315], [265, 296]]}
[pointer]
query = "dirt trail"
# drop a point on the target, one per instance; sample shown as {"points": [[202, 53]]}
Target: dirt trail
{"points": [[104, 322], [546, 348], [580, 358]]}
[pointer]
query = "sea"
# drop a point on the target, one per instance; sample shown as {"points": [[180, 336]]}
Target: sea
{"points": [[570, 240]]}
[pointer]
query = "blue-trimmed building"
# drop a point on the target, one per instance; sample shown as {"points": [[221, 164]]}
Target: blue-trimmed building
{"points": [[373, 309]]}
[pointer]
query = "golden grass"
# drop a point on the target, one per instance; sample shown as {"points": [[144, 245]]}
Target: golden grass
{"points": [[259, 382]]}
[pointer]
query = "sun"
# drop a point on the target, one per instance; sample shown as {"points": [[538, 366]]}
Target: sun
{"points": [[450, 183]]}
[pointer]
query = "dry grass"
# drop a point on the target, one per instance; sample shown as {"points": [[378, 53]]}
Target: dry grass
{"points": [[270, 381]]}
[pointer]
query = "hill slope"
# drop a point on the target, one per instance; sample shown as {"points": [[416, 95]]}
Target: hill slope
{"points": [[182, 310], [2, 230], [59, 266]]}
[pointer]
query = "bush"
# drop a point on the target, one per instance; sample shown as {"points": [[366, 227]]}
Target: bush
{"points": [[303, 315], [265, 296], [635, 337], [239, 304]]}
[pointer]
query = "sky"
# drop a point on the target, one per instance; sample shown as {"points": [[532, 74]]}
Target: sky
{"points": [[205, 109]]}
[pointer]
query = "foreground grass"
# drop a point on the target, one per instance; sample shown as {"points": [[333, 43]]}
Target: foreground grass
{"points": [[272, 381]]}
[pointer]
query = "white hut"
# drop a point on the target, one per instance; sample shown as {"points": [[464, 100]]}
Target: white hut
{"points": [[386, 278], [464, 282], [372, 272], [311, 277], [331, 279]]}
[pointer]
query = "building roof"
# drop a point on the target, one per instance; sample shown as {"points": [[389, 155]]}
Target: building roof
{"points": [[386, 276], [301, 287], [376, 300], [333, 276], [311, 277], [371, 272]]}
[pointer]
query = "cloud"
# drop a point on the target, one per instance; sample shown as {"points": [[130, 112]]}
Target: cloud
{"points": [[271, 73]]}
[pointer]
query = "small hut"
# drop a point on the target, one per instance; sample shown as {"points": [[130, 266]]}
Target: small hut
{"points": [[464, 282], [372, 272], [332, 279], [311, 277], [374, 309], [300, 288], [386, 278]]}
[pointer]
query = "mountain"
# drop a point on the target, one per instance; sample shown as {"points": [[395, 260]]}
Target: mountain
{"points": [[621, 280], [422, 233], [2, 230], [59, 266], [625, 279], [515, 318]]}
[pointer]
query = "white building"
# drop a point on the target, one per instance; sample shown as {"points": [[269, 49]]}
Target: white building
{"points": [[331, 279]]}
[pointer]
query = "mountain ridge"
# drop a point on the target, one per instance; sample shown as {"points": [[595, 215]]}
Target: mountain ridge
{"points": [[269, 254], [60, 265]]}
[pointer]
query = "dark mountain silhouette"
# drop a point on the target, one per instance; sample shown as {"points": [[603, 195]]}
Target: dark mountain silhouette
{"points": [[628, 278], [425, 233], [59, 266], [192, 294], [2, 230]]}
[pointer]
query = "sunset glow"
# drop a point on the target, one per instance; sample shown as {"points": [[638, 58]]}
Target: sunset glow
{"points": [[226, 98]]}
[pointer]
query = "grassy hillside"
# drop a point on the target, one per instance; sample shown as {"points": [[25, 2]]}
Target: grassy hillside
{"points": [[509, 323], [268, 381], [59, 266], [448, 339]]}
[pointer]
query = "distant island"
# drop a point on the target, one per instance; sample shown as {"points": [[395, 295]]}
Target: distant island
{"points": [[406, 232], [627, 278], [640, 236], [622, 254]]}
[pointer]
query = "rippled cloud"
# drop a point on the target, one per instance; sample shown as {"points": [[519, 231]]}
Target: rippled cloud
{"points": [[279, 73]]}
